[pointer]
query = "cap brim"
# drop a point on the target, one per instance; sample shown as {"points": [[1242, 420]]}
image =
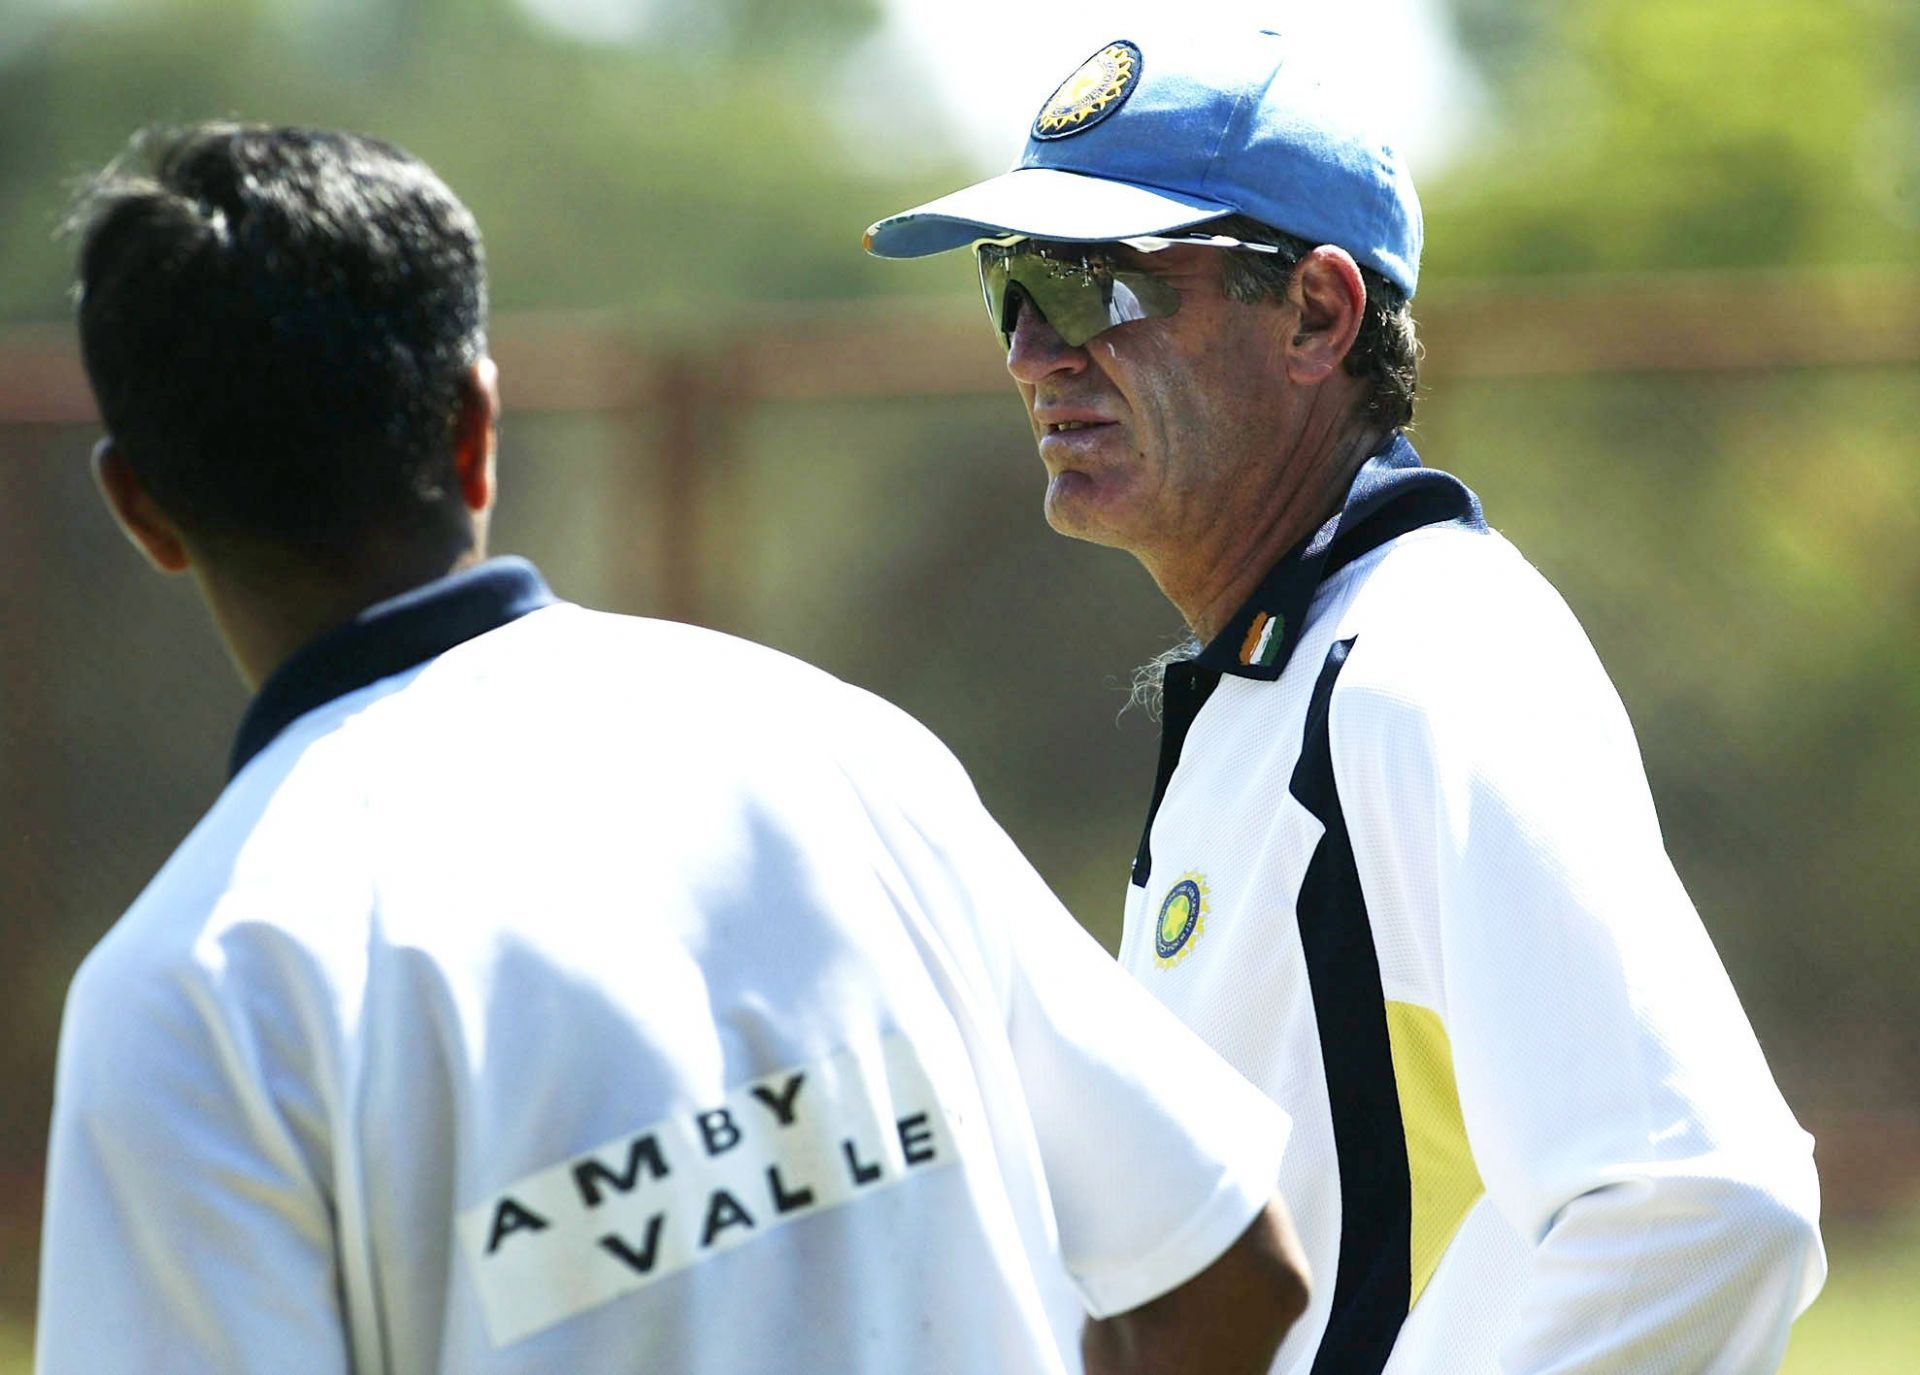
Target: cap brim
{"points": [[1040, 203]]}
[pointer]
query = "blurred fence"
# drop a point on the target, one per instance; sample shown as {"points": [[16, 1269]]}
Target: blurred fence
{"points": [[1719, 472]]}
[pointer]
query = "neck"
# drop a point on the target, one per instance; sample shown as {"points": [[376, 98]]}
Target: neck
{"points": [[1214, 577], [267, 608]]}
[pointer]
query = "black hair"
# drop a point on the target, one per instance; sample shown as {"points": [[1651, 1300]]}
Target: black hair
{"points": [[1385, 353], [278, 324]]}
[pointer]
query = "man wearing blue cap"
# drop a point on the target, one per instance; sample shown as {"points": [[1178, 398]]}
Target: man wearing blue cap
{"points": [[1401, 864]]}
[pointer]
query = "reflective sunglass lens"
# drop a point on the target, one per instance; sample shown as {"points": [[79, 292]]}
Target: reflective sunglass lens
{"points": [[1080, 296]]}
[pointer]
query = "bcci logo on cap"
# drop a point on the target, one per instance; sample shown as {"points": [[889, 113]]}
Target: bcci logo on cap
{"points": [[1182, 921], [1097, 88]]}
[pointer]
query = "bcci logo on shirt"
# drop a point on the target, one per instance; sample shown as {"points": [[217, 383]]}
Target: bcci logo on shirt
{"points": [[1097, 88], [1182, 921]]}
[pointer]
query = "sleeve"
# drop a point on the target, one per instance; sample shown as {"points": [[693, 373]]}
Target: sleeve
{"points": [[184, 1231], [1156, 1153], [1615, 1099]]}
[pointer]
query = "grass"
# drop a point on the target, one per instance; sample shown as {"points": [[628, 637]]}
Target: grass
{"points": [[1866, 1322]]}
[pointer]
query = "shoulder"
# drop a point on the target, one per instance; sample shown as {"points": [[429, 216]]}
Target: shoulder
{"points": [[656, 672], [715, 686], [217, 960], [273, 888], [536, 734], [265, 900], [562, 673], [570, 721], [1448, 611], [1456, 646], [1445, 585]]}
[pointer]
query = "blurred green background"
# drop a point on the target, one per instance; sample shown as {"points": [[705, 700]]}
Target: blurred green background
{"points": [[1672, 304]]}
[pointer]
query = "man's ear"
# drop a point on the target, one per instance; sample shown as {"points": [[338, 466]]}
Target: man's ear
{"points": [[139, 518], [1332, 300], [473, 435]]}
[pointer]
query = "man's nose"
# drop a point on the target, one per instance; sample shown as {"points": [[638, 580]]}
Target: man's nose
{"points": [[1036, 350]]}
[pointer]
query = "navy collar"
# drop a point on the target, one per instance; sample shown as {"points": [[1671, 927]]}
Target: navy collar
{"points": [[1391, 494], [387, 638]]}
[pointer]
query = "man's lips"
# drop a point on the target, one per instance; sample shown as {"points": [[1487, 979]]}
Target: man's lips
{"points": [[1065, 420]]}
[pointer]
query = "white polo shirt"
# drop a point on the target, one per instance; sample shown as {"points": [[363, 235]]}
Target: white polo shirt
{"points": [[1403, 870], [552, 991]]}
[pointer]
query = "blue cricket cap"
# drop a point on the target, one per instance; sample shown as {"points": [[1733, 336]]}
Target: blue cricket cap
{"points": [[1156, 135]]}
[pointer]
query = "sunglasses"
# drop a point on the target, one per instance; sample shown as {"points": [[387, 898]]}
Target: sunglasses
{"points": [[1080, 289]]}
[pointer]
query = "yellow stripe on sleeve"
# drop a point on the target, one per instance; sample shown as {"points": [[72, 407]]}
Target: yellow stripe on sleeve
{"points": [[1446, 1183]]}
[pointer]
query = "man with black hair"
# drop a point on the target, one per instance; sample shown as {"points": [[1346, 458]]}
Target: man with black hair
{"points": [[1400, 863], [553, 991]]}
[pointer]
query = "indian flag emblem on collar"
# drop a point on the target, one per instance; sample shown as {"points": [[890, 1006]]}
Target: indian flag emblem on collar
{"points": [[1182, 920], [1264, 637], [1097, 88]]}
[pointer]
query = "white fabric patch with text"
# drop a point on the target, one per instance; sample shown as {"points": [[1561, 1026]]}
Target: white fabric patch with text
{"points": [[639, 1208]]}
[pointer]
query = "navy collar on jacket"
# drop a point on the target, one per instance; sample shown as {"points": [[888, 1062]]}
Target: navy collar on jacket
{"points": [[1391, 494], [387, 638]]}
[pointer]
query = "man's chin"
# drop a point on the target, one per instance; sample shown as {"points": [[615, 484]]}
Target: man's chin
{"points": [[1074, 508]]}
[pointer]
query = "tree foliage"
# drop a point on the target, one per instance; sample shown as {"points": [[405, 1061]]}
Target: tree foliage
{"points": [[1686, 134], [693, 168]]}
